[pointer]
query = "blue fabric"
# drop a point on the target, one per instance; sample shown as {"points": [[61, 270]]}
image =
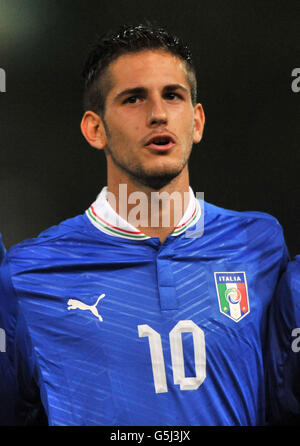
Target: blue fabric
{"points": [[101, 372], [284, 349]]}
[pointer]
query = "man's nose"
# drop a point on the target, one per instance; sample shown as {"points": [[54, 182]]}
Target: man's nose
{"points": [[157, 113]]}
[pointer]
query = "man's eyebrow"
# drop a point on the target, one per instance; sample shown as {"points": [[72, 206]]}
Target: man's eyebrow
{"points": [[130, 91], [173, 87], [143, 91]]}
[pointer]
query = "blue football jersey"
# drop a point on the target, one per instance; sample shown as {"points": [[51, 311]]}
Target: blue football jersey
{"points": [[7, 383], [283, 353], [108, 326]]}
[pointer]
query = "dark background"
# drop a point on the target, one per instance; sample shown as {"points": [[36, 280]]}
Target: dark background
{"points": [[244, 52]]}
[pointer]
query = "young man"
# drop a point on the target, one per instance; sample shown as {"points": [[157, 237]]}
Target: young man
{"points": [[283, 355], [119, 317]]}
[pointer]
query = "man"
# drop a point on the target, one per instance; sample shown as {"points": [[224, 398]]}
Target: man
{"points": [[283, 354], [127, 317]]}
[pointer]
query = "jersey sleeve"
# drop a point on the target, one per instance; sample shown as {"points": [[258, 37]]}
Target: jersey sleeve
{"points": [[20, 401], [283, 353], [7, 382]]}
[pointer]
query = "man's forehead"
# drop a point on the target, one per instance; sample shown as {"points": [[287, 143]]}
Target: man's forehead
{"points": [[146, 65]]}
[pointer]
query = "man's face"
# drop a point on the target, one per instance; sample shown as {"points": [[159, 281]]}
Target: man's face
{"points": [[150, 122]]}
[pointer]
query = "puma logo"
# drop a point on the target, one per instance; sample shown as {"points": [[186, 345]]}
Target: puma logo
{"points": [[77, 304]]}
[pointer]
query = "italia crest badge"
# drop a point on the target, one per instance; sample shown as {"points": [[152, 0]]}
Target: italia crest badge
{"points": [[232, 293]]}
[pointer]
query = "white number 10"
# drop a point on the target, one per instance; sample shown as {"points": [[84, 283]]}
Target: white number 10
{"points": [[157, 357]]}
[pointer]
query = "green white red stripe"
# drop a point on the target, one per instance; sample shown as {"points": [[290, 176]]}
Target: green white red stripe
{"points": [[106, 227], [181, 227], [103, 217]]}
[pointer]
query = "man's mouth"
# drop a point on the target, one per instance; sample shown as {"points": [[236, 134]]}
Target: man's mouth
{"points": [[160, 142]]}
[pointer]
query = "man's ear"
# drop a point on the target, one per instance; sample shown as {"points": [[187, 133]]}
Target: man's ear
{"points": [[93, 130], [199, 121]]}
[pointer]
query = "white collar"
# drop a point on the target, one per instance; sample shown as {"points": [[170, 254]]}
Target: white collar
{"points": [[104, 218]]}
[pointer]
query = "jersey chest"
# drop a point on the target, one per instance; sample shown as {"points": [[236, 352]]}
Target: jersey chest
{"points": [[150, 343]]}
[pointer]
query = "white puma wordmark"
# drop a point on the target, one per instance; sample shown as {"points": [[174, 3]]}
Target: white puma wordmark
{"points": [[74, 304]]}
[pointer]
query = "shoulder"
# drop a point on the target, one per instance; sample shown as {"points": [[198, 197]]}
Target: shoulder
{"points": [[52, 241], [251, 216], [292, 275], [294, 265], [251, 224], [248, 234]]}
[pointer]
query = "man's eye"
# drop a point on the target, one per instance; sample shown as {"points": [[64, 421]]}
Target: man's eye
{"points": [[173, 96], [131, 100]]}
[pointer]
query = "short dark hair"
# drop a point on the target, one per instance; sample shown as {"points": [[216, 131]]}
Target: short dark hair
{"points": [[128, 39]]}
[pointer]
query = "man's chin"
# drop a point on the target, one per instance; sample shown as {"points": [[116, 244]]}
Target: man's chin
{"points": [[156, 180], [154, 177]]}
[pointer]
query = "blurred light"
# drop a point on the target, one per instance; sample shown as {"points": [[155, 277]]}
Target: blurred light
{"points": [[19, 22]]}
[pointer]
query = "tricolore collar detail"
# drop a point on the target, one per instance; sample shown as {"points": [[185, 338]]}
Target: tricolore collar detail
{"points": [[104, 218]]}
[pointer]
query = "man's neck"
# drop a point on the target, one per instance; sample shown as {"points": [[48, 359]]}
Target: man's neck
{"points": [[154, 213]]}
